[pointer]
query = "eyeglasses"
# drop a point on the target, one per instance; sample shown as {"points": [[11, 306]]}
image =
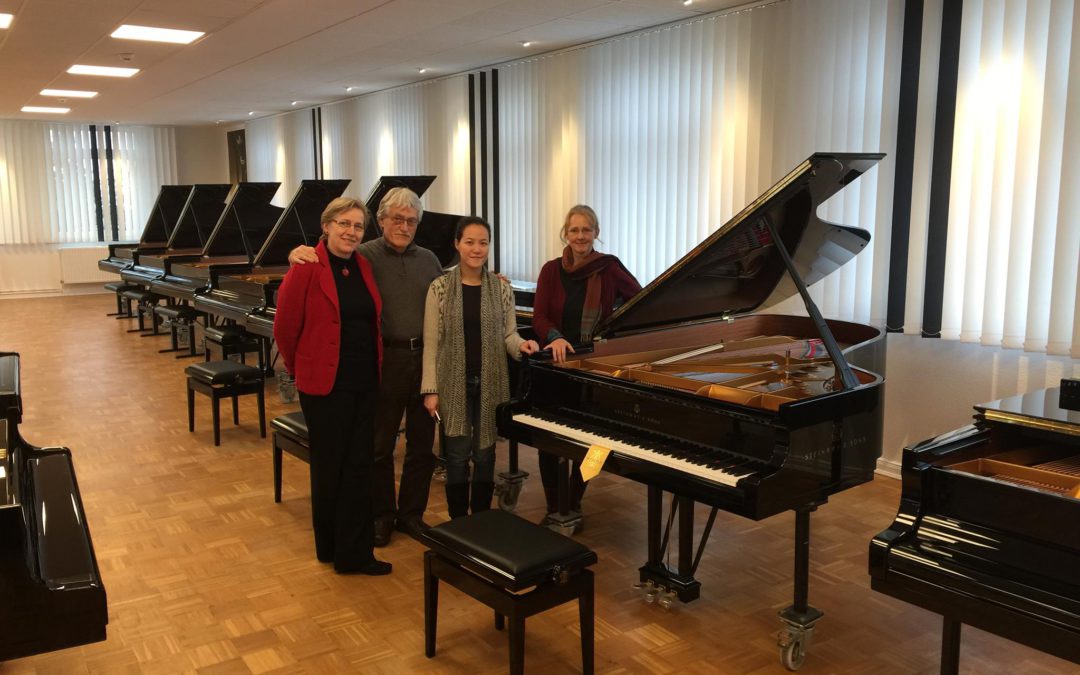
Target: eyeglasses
{"points": [[402, 220], [346, 225]]}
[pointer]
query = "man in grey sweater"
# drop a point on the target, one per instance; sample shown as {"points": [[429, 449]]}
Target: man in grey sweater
{"points": [[403, 273]]}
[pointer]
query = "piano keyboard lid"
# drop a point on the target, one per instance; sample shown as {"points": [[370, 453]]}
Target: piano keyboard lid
{"points": [[299, 223], [738, 269]]}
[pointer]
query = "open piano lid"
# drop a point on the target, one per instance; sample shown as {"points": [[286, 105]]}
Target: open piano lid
{"points": [[245, 221], [201, 212], [165, 213], [300, 222], [738, 269]]}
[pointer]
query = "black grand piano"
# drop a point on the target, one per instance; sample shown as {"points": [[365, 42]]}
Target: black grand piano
{"points": [[248, 214], [163, 218], [195, 229], [695, 395], [988, 531], [249, 298], [52, 593]]}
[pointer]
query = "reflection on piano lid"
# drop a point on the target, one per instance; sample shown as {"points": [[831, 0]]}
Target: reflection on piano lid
{"points": [[201, 213], [52, 591], [986, 530], [754, 414]]}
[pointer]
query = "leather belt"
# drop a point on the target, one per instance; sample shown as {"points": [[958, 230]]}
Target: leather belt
{"points": [[410, 343]]}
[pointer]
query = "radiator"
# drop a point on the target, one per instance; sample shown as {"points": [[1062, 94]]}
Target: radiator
{"points": [[78, 265]]}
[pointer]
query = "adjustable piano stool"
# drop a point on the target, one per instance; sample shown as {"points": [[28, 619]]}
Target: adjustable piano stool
{"points": [[224, 379], [493, 556]]}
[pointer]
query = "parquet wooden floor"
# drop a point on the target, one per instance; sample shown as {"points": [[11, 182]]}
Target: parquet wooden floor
{"points": [[205, 573]]}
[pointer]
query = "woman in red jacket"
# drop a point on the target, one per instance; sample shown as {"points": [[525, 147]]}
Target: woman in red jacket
{"points": [[327, 331], [574, 293]]}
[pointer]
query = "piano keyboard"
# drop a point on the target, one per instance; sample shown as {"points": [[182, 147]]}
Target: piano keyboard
{"points": [[726, 471]]}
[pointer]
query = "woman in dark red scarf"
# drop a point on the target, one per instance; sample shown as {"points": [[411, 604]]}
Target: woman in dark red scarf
{"points": [[574, 293]]}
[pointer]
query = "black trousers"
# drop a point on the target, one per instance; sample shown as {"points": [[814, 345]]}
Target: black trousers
{"points": [[399, 394], [341, 430]]}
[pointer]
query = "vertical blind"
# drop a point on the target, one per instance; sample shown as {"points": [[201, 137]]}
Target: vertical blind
{"points": [[1014, 212], [281, 148], [47, 190], [420, 129], [668, 133]]}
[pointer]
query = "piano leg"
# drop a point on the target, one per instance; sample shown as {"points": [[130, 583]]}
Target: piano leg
{"points": [[508, 487], [564, 521], [950, 646], [800, 617], [656, 578]]}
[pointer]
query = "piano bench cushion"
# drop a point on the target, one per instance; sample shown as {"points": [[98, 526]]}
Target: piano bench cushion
{"points": [[226, 334], [120, 286], [177, 312], [293, 424], [223, 372], [507, 550], [139, 294]]}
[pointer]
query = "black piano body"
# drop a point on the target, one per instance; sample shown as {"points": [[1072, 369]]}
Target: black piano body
{"points": [[696, 395], [49, 578], [201, 215], [161, 222], [248, 208], [987, 530]]}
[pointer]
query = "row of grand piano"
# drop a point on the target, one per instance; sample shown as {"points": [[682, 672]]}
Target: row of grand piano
{"points": [[704, 399]]}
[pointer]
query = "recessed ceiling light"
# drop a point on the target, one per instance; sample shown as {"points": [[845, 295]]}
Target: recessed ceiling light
{"points": [[294, 102], [421, 70], [5, 19], [150, 34], [44, 109], [687, 2], [250, 113], [219, 122], [348, 89], [107, 71], [68, 93], [527, 43]]}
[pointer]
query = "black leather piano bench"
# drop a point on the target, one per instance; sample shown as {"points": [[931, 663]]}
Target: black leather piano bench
{"points": [[231, 339], [123, 305], [224, 379], [177, 318], [144, 306], [496, 557], [291, 436]]}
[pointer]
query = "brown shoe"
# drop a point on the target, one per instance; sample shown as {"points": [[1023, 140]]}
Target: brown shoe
{"points": [[412, 526]]}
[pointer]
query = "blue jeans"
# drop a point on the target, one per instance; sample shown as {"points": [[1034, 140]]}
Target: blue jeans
{"points": [[460, 449]]}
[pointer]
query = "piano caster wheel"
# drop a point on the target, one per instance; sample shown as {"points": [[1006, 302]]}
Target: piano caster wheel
{"points": [[508, 495], [667, 599], [793, 645], [647, 590]]}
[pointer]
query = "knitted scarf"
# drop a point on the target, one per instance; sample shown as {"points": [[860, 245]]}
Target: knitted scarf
{"points": [[450, 362], [590, 268]]}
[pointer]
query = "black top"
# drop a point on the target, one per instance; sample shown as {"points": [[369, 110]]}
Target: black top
{"points": [[573, 306], [470, 309], [358, 362]]}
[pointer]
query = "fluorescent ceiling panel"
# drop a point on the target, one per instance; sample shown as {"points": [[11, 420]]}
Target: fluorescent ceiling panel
{"points": [[107, 71], [150, 34], [69, 93]]}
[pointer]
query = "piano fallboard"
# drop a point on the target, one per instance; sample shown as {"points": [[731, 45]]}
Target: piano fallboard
{"points": [[184, 279]]}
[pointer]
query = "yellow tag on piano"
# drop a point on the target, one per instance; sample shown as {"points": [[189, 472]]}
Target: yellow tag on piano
{"points": [[593, 462]]}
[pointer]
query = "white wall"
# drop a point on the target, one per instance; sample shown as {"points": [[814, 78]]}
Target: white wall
{"points": [[202, 155], [931, 386]]}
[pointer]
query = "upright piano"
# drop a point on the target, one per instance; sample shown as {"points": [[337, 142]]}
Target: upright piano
{"points": [[156, 232], [52, 593], [988, 530], [695, 394]]}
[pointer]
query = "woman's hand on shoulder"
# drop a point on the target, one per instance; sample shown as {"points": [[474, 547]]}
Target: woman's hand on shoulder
{"points": [[529, 347], [558, 348], [302, 255], [431, 404]]}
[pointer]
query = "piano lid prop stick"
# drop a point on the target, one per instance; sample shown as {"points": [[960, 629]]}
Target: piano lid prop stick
{"points": [[593, 462]]}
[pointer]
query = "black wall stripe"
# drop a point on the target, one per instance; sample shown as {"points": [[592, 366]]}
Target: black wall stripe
{"points": [[111, 176], [495, 213], [905, 162], [97, 183], [483, 148], [316, 143], [941, 171], [472, 143]]}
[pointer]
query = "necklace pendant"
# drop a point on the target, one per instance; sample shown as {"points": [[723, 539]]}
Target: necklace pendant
{"points": [[344, 271]]}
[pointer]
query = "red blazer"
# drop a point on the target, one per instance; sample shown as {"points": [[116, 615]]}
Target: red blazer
{"points": [[307, 322]]}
